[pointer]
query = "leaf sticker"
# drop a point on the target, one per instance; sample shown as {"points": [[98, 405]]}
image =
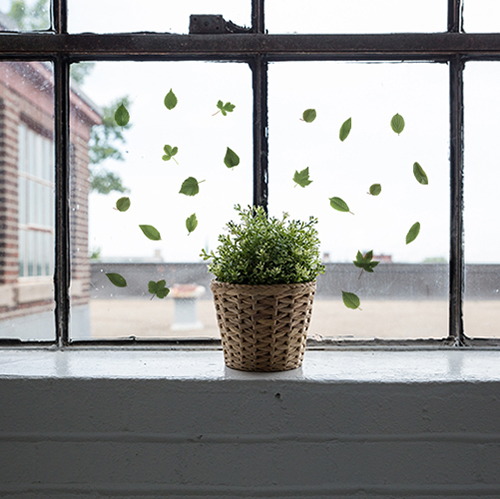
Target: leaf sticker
{"points": [[231, 159], [191, 223], [150, 232], [364, 262], [170, 100], [224, 108], [413, 233], [375, 189], [170, 152], [123, 204], [345, 129], [190, 186], [420, 175], [302, 178], [309, 115], [350, 300], [339, 205], [116, 279], [122, 116], [397, 123], [158, 289]]}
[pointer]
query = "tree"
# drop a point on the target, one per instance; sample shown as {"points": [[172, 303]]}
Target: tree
{"points": [[105, 139]]}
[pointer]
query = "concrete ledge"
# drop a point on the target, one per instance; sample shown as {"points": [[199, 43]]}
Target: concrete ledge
{"points": [[7, 295], [32, 291]]}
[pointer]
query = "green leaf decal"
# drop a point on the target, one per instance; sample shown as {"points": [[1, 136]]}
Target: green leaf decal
{"points": [[123, 204], [375, 189], [170, 100], [302, 178], [364, 262], [413, 233], [420, 175], [231, 159], [345, 129], [190, 186], [158, 289], [225, 108], [309, 115], [150, 232], [191, 223], [339, 205], [170, 152], [122, 116], [397, 123], [350, 300], [116, 279]]}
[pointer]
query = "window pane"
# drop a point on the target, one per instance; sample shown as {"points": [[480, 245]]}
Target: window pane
{"points": [[202, 136], [482, 175], [481, 16], [406, 295], [163, 16], [29, 15], [356, 16], [26, 120]]}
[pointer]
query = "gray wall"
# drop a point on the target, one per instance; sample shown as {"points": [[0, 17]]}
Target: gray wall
{"points": [[402, 281]]}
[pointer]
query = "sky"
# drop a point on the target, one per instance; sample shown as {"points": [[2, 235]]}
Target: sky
{"points": [[369, 94]]}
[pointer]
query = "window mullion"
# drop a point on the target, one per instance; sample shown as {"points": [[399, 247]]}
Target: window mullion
{"points": [[455, 9], [258, 25], [60, 16], [457, 274]]}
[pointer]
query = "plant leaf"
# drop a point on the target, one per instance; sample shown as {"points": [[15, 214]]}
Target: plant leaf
{"points": [[170, 100], [309, 115], [150, 232], [420, 175], [302, 178], [225, 108], [375, 189], [152, 287], [350, 300], [191, 223], [339, 204], [170, 152], [345, 129], [116, 279], [158, 289], [397, 123], [123, 204], [413, 232], [231, 159], [190, 187], [122, 116], [365, 261]]}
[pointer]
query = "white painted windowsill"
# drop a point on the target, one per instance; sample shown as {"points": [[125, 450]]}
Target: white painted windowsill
{"points": [[334, 366]]}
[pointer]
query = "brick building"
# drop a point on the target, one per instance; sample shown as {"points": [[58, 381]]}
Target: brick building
{"points": [[27, 195]]}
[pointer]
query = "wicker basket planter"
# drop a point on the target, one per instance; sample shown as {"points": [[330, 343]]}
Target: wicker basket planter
{"points": [[263, 327]]}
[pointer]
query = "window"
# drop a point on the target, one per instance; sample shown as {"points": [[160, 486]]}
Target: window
{"points": [[418, 61]]}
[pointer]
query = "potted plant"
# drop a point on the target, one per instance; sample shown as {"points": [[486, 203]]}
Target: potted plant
{"points": [[265, 272]]}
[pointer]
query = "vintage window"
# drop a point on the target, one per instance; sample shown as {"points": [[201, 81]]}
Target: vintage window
{"points": [[434, 63]]}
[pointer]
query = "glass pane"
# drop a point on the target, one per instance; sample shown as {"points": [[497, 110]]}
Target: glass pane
{"points": [[163, 16], [356, 16], [406, 295], [115, 242], [26, 117], [27, 15], [482, 175], [481, 16]]}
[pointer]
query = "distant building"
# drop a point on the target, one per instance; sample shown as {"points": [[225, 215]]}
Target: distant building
{"points": [[27, 191]]}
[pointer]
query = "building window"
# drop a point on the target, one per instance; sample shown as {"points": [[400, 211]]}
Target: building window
{"points": [[36, 199]]}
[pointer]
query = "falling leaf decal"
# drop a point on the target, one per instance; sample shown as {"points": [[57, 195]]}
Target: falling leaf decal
{"points": [[224, 108], [339, 205], [122, 116], [302, 178], [309, 115], [345, 129], [150, 232], [123, 204], [350, 300], [375, 189], [231, 159], [420, 175], [191, 223], [413, 233], [190, 186], [116, 279], [170, 100], [397, 123], [158, 289]]}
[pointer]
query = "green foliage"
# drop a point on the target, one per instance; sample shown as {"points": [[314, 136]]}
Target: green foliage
{"points": [[191, 223], [30, 18], [190, 186], [123, 204], [420, 174], [345, 130], [116, 279], [95, 254], [224, 108], [262, 250], [158, 289], [413, 233], [375, 189], [309, 115], [364, 262], [170, 100], [302, 178], [339, 205], [170, 152], [80, 71], [397, 123], [231, 159], [150, 232], [122, 116], [104, 181], [350, 300]]}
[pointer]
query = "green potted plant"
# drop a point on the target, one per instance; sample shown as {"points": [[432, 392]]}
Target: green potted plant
{"points": [[265, 272]]}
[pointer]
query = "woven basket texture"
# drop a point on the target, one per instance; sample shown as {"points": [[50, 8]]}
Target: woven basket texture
{"points": [[263, 327]]}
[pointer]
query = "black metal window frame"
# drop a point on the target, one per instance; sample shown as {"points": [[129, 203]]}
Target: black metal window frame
{"points": [[257, 48]]}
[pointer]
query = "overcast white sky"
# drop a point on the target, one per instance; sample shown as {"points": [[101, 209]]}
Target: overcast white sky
{"points": [[368, 93]]}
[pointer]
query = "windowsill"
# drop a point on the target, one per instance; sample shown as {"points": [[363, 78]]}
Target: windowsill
{"points": [[334, 366]]}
